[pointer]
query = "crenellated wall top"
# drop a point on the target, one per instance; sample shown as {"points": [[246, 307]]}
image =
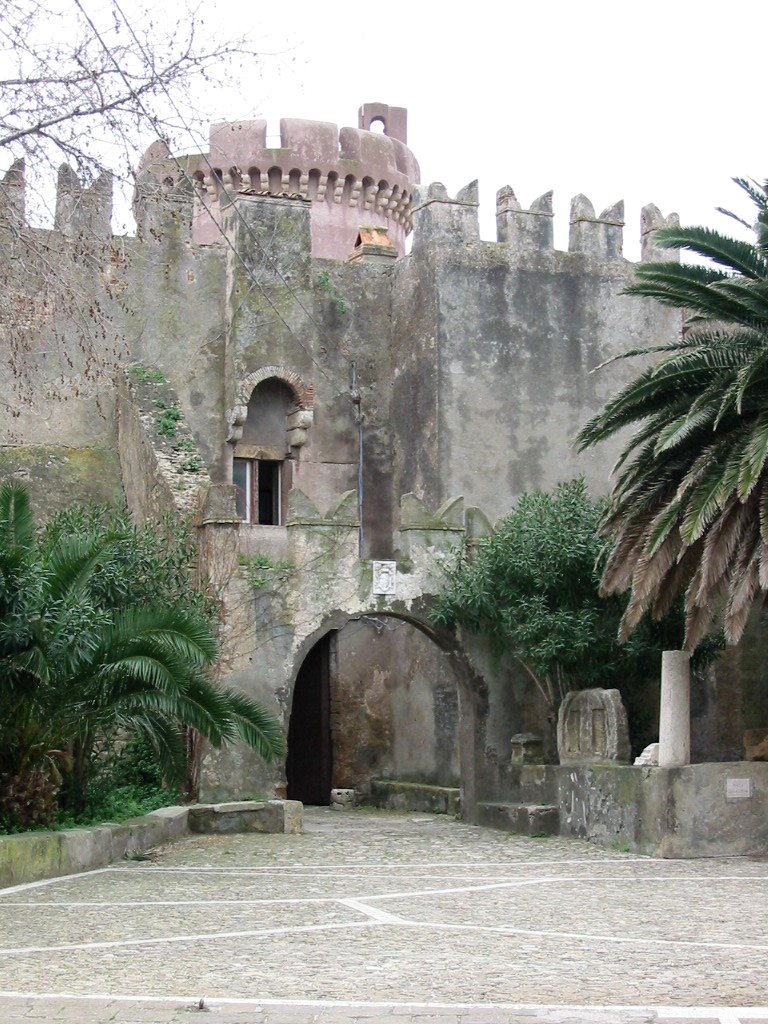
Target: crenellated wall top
{"points": [[354, 172]]}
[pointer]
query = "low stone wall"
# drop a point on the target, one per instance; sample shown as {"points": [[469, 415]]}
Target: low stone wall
{"points": [[247, 816], [32, 856], [701, 810], [415, 796]]}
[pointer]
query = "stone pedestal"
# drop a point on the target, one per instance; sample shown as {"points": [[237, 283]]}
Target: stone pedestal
{"points": [[675, 714]]}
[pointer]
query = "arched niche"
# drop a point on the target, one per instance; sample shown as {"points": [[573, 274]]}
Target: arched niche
{"points": [[374, 698], [299, 412], [267, 427]]}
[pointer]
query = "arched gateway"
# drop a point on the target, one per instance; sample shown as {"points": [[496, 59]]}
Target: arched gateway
{"points": [[377, 696], [344, 650]]}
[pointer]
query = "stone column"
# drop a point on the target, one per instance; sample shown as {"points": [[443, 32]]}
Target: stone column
{"points": [[675, 713]]}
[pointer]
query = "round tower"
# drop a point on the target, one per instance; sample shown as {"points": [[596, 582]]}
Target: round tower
{"points": [[352, 176]]}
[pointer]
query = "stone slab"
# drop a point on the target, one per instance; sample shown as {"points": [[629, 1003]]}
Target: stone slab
{"points": [[415, 796], [269, 816]]}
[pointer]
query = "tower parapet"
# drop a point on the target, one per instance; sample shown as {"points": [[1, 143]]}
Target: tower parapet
{"points": [[352, 176]]}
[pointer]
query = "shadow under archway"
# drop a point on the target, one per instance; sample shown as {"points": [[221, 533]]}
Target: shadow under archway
{"points": [[309, 764]]}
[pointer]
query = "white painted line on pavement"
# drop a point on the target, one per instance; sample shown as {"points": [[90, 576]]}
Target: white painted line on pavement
{"points": [[205, 937], [390, 865], [553, 880], [25, 886], [715, 1012], [373, 912], [374, 919], [630, 940], [129, 904]]}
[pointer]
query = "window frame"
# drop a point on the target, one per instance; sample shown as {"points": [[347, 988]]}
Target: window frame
{"points": [[251, 491]]}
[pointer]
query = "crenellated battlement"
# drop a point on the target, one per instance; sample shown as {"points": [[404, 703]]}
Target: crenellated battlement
{"points": [[440, 218], [351, 175], [82, 210], [651, 220], [601, 237], [524, 229], [12, 197]]}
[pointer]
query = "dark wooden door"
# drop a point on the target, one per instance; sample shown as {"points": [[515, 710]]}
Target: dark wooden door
{"points": [[309, 762]]}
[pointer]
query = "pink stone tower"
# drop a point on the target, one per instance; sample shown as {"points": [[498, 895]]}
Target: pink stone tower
{"points": [[352, 176]]}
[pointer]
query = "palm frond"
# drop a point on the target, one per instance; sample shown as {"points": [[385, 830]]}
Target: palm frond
{"points": [[737, 256], [754, 458], [256, 726], [689, 504], [17, 524]]}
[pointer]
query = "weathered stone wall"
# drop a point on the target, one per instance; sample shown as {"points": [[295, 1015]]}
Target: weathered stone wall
{"points": [[473, 369], [498, 341], [668, 812], [269, 630], [394, 707]]}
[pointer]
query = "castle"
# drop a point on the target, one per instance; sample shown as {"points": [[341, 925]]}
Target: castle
{"points": [[342, 412]]}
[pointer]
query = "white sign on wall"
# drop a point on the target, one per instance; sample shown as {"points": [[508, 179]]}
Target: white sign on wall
{"points": [[738, 789], [384, 578]]}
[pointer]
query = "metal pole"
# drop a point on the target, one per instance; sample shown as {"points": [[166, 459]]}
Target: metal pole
{"points": [[356, 403]]}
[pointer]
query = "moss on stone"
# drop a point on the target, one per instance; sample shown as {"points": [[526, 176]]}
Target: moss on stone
{"points": [[57, 476]]}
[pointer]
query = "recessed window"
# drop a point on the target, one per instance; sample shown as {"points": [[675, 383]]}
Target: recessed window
{"points": [[259, 490]]}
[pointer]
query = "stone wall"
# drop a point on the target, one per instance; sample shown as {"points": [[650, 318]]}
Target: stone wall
{"points": [[472, 365], [500, 341], [668, 812]]}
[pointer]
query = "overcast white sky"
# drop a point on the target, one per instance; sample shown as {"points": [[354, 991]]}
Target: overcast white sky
{"points": [[659, 101], [650, 102]]}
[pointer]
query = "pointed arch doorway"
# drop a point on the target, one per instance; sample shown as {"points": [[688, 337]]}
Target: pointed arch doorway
{"points": [[309, 765]]}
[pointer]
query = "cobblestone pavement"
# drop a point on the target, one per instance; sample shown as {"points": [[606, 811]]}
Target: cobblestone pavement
{"points": [[396, 918]]}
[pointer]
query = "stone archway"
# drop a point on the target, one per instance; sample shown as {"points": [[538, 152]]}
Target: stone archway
{"points": [[269, 633], [379, 696]]}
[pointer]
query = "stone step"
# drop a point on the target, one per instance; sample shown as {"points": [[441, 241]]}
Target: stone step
{"points": [[415, 796], [521, 819]]}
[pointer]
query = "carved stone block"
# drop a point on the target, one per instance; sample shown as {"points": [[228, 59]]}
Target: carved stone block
{"points": [[592, 728], [342, 799]]}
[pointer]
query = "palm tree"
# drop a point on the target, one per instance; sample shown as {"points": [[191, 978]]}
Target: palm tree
{"points": [[689, 508], [77, 665]]}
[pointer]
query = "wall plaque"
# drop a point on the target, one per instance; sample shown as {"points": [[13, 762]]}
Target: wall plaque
{"points": [[738, 789], [384, 578]]}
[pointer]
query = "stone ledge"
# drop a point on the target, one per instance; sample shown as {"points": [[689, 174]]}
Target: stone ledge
{"points": [[521, 819], [415, 796], [285, 816], [32, 856]]}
